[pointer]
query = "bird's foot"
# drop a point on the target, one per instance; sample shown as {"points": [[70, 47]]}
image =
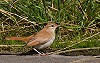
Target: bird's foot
{"points": [[43, 54]]}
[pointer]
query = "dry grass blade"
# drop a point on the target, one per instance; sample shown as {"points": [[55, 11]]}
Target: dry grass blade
{"points": [[9, 13], [77, 49], [11, 45]]}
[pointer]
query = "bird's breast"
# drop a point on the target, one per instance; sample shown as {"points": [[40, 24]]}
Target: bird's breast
{"points": [[45, 45]]}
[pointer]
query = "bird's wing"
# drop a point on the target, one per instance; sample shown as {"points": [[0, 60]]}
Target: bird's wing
{"points": [[40, 38]]}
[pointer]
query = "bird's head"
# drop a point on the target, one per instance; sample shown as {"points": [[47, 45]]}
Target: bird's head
{"points": [[51, 26]]}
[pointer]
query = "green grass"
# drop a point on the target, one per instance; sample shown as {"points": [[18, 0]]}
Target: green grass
{"points": [[78, 19]]}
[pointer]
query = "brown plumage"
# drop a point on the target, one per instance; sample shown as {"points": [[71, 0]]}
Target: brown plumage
{"points": [[42, 39], [24, 39]]}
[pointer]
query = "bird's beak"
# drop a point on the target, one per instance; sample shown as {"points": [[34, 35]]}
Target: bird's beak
{"points": [[58, 25]]}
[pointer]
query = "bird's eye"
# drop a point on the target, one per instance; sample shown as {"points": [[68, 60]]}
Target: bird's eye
{"points": [[52, 25]]}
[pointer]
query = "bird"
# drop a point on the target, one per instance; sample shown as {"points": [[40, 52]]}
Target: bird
{"points": [[41, 40]]}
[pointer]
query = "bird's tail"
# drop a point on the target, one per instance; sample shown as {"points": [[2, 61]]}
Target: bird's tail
{"points": [[25, 39], [15, 38]]}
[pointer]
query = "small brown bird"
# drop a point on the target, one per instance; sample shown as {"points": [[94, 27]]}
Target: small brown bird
{"points": [[43, 39]]}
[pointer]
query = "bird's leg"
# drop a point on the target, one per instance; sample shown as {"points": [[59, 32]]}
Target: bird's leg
{"points": [[38, 52]]}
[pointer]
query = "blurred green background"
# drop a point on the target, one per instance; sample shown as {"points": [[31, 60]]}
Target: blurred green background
{"points": [[79, 20]]}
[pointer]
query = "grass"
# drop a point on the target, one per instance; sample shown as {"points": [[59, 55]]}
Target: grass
{"points": [[78, 19]]}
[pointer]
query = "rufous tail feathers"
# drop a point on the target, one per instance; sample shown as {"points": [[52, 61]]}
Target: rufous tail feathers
{"points": [[25, 39]]}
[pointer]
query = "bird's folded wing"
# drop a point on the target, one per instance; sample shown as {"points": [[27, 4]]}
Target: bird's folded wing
{"points": [[38, 42], [32, 43], [40, 39]]}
